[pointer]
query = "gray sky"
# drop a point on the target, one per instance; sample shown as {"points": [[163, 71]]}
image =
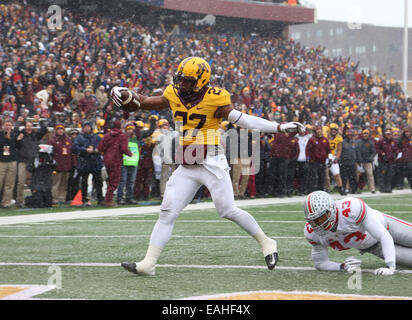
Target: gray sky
{"points": [[377, 12]]}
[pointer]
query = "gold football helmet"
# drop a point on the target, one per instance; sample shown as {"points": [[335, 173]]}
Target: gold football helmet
{"points": [[334, 126], [192, 75], [100, 123]]}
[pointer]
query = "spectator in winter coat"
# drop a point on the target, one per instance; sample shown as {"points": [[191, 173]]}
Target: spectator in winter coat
{"points": [[317, 151], [302, 164], [26, 151], [387, 150], [101, 97], [292, 161], [89, 162], [11, 107], [405, 159], [8, 156], [129, 168], [281, 150], [348, 161], [73, 184], [45, 96], [145, 169], [87, 106], [62, 154], [262, 177], [398, 175], [366, 151], [113, 145]]}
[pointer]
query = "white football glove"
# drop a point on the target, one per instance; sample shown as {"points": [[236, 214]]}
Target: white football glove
{"points": [[116, 95], [385, 271], [292, 127], [351, 264]]}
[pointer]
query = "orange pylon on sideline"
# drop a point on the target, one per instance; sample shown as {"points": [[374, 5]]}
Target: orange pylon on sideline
{"points": [[77, 200]]}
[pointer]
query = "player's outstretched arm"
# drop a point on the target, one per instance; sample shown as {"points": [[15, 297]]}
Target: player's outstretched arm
{"points": [[153, 102], [131, 101], [321, 261], [244, 120]]}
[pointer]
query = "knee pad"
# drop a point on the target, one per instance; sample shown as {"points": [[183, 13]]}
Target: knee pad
{"points": [[167, 216], [229, 213]]}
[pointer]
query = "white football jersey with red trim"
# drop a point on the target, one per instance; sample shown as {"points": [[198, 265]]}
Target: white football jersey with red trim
{"points": [[350, 233]]}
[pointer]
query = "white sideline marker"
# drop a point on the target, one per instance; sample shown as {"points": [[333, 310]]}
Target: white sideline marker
{"points": [[87, 214], [188, 266]]}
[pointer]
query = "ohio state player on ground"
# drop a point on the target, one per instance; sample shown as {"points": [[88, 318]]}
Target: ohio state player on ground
{"points": [[351, 223]]}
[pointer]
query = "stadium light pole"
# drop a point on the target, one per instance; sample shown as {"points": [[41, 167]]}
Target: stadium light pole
{"points": [[405, 49]]}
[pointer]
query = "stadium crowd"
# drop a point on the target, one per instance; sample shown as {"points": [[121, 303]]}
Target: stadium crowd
{"points": [[54, 86]]}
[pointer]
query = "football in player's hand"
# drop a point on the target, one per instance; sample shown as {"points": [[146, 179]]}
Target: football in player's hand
{"points": [[126, 99]]}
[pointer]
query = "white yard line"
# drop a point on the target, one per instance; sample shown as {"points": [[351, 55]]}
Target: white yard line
{"points": [[180, 221], [87, 214], [137, 236], [186, 266]]}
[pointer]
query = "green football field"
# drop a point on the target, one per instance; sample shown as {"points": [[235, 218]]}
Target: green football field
{"points": [[207, 256]]}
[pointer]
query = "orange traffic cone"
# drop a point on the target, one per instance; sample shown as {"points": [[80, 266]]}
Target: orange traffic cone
{"points": [[77, 200]]}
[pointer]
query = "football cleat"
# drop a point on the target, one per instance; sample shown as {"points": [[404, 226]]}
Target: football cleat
{"points": [[141, 268], [131, 267], [271, 260]]}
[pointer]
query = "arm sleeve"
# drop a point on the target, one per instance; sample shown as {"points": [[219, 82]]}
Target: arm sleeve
{"points": [[148, 133], [125, 146], [78, 147], [321, 260], [43, 130], [101, 146], [308, 150], [251, 122], [373, 148], [378, 231]]}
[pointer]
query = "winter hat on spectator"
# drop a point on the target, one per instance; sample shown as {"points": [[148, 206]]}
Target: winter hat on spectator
{"points": [[59, 126], [116, 124], [87, 123], [130, 125], [163, 122]]}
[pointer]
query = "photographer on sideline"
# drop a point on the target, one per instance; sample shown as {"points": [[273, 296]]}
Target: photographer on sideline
{"points": [[28, 144]]}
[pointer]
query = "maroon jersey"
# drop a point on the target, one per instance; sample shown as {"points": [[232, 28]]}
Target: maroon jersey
{"points": [[405, 147], [387, 150], [281, 146], [318, 149]]}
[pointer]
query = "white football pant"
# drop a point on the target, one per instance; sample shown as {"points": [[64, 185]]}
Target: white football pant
{"points": [[180, 190], [401, 232]]}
